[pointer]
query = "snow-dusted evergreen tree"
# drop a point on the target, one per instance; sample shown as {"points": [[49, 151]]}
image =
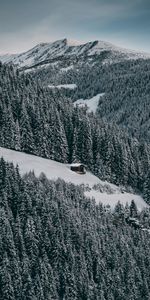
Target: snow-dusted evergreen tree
{"points": [[8, 129], [59, 140], [17, 137], [37, 120], [146, 188], [26, 140], [60, 244]]}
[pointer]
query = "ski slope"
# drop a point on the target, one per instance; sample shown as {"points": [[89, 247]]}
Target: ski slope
{"points": [[54, 170], [91, 103]]}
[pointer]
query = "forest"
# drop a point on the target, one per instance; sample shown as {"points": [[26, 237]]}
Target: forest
{"points": [[57, 244], [126, 86], [39, 121]]}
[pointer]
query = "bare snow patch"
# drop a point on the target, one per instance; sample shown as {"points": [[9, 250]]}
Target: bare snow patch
{"points": [[70, 86], [91, 103], [54, 170], [51, 168], [112, 199]]}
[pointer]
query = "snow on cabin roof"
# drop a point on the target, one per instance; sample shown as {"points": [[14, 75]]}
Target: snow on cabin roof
{"points": [[132, 219], [76, 165]]}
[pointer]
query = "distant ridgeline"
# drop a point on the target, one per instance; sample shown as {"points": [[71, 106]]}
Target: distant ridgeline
{"points": [[57, 244], [44, 122]]}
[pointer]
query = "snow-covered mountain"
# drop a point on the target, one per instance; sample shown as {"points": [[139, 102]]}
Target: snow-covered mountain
{"points": [[46, 53], [102, 191]]}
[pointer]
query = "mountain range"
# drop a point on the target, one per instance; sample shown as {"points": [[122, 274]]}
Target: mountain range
{"points": [[47, 53]]}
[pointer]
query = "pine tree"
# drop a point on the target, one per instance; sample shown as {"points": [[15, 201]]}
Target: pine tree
{"points": [[146, 188], [17, 137], [26, 140], [133, 209]]}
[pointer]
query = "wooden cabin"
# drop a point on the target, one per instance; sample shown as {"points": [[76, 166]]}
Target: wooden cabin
{"points": [[78, 168]]}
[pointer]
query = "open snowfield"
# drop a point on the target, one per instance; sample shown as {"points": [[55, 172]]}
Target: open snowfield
{"points": [[112, 199], [70, 86], [54, 170], [91, 103]]}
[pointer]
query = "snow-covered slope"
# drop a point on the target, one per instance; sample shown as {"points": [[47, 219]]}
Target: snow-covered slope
{"points": [[54, 170], [91, 103], [65, 49], [70, 86]]}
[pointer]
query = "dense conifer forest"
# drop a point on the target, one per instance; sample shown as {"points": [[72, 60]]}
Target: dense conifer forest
{"points": [[36, 120], [56, 244], [126, 86]]}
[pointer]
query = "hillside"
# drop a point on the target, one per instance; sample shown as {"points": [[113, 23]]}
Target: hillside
{"points": [[44, 122], [91, 69], [65, 235], [57, 244], [53, 170]]}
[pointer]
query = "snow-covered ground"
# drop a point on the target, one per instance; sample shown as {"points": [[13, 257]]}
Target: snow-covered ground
{"points": [[91, 103], [54, 170], [112, 199], [70, 86]]}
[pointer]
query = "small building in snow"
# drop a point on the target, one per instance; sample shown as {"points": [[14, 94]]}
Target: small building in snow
{"points": [[78, 168]]}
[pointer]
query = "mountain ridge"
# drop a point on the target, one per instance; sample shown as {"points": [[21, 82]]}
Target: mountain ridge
{"points": [[68, 49]]}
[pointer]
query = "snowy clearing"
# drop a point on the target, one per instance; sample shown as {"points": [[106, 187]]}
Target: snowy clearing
{"points": [[66, 69], [70, 86], [112, 199], [91, 103], [54, 170]]}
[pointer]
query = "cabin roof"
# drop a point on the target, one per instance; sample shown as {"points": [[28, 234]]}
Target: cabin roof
{"points": [[132, 219], [76, 165]]}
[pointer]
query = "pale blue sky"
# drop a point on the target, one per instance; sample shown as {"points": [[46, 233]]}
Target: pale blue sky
{"points": [[25, 23]]}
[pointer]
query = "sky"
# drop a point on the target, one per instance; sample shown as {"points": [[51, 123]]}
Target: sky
{"points": [[25, 23]]}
